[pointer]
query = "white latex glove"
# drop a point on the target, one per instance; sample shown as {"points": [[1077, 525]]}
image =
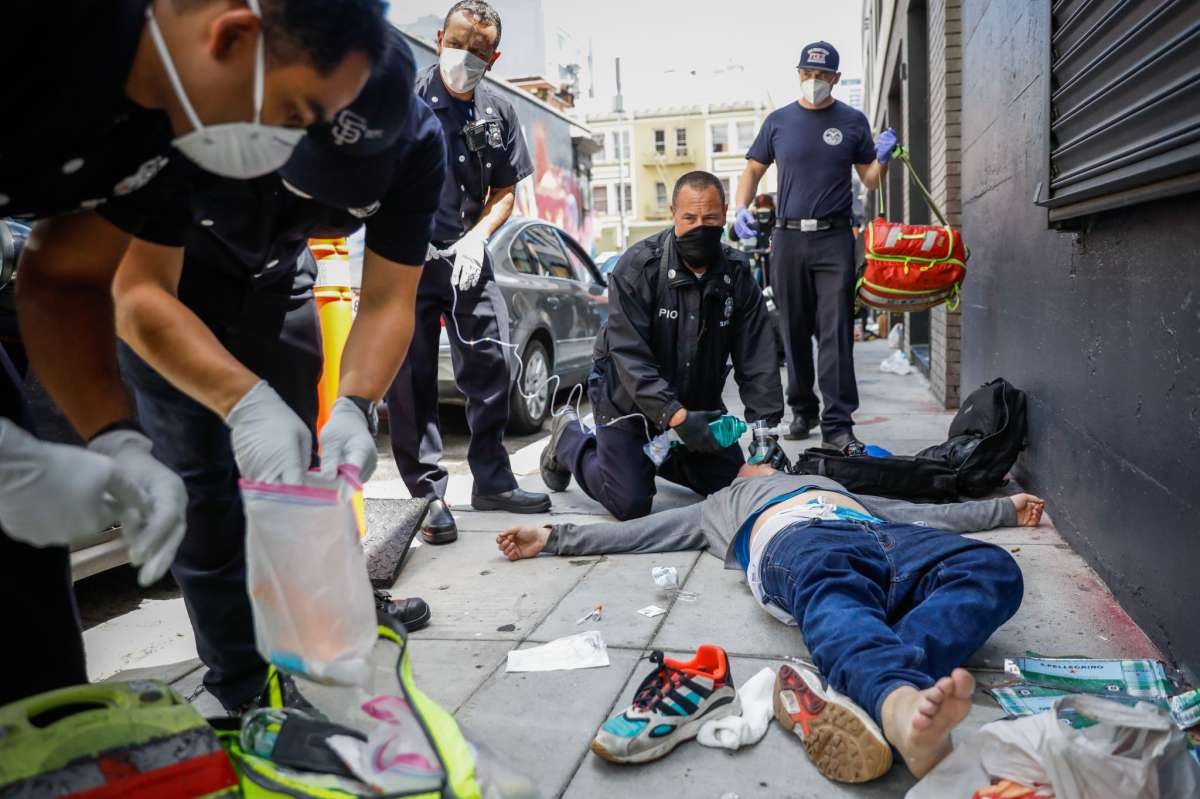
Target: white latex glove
{"points": [[152, 547], [57, 495], [346, 440], [468, 261], [270, 442]]}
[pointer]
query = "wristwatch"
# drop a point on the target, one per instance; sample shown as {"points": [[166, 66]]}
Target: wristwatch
{"points": [[370, 410]]}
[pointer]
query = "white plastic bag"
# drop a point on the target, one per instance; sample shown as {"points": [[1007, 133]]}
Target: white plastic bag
{"points": [[896, 363], [314, 615], [1132, 752], [895, 336]]}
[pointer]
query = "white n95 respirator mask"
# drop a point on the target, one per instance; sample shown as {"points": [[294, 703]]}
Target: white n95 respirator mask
{"points": [[232, 149], [815, 91], [461, 69]]}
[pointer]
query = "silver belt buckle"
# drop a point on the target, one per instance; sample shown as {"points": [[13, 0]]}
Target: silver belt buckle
{"points": [[809, 225]]}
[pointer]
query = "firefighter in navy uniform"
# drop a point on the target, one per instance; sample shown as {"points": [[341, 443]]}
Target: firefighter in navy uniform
{"points": [[681, 307], [222, 343], [815, 142], [487, 158], [62, 160]]}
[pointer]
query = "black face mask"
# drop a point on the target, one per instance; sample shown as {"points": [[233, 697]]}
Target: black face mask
{"points": [[700, 247]]}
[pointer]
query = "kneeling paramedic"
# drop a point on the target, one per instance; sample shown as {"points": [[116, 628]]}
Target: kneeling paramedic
{"points": [[681, 307], [224, 347]]}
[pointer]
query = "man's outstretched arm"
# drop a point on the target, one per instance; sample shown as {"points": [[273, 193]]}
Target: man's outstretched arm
{"points": [[674, 530], [1020, 510]]}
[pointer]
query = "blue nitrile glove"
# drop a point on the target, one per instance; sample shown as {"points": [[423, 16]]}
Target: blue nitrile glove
{"points": [[745, 225], [884, 145]]}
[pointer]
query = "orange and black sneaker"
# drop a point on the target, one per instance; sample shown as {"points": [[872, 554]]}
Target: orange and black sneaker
{"points": [[841, 739], [670, 706]]}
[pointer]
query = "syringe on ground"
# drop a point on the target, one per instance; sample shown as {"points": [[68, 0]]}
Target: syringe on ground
{"points": [[726, 430]]}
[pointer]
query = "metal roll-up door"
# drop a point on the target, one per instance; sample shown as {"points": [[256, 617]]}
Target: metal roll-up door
{"points": [[1124, 103]]}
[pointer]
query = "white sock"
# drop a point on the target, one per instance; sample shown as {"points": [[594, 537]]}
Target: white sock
{"points": [[734, 732]]}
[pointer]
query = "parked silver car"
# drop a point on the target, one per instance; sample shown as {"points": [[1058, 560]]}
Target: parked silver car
{"points": [[556, 300]]}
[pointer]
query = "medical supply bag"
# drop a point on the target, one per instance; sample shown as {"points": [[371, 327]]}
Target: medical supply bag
{"points": [[314, 615], [912, 267]]}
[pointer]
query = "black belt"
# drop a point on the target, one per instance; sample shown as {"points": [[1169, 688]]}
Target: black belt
{"points": [[813, 225]]}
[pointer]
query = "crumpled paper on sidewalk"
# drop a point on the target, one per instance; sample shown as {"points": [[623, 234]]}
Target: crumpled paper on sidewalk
{"points": [[1131, 752], [582, 651]]}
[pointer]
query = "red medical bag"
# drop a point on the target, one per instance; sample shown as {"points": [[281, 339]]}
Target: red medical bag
{"points": [[912, 267]]}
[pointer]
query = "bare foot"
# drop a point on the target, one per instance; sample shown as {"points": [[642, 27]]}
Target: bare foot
{"points": [[918, 723], [517, 543], [1029, 509]]}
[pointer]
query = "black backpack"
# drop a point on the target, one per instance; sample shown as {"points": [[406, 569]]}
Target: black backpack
{"points": [[986, 436]]}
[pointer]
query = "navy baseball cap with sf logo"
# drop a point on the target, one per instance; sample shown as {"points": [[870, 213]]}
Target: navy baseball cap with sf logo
{"points": [[348, 161], [819, 55]]}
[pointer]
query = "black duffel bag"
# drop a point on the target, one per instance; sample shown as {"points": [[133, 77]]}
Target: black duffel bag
{"points": [[902, 476], [986, 436]]}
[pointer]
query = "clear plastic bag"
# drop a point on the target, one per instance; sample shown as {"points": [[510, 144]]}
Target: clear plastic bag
{"points": [[314, 615]]}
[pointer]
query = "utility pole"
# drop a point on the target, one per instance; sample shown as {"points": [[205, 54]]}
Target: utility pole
{"points": [[619, 109]]}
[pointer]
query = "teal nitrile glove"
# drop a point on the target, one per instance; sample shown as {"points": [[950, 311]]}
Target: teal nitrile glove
{"points": [[727, 430], [884, 145]]}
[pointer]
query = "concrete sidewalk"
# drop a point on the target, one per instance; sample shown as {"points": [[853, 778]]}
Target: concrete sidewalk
{"points": [[543, 723]]}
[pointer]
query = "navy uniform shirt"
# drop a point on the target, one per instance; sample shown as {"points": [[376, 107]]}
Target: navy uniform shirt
{"points": [[815, 151], [502, 162], [253, 234], [71, 139]]}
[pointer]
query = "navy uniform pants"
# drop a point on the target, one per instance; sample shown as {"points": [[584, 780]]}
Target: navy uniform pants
{"points": [[277, 337], [612, 469], [813, 277], [481, 373], [44, 644]]}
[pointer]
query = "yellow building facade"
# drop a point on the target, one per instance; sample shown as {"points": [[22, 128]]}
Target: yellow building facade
{"points": [[645, 152]]}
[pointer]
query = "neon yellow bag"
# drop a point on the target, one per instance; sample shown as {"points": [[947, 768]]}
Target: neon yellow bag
{"points": [[262, 778]]}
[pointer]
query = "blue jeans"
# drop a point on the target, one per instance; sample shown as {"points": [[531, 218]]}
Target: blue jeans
{"points": [[886, 605]]}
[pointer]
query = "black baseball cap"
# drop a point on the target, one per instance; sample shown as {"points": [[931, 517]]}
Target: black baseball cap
{"points": [[819, 55], [348, 161]]}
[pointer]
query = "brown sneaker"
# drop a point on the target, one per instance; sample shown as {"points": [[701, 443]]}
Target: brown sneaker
{"points": [[841, 739]]}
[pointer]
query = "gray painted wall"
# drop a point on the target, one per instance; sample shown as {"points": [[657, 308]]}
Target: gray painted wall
{"points": [[1101, 327]]}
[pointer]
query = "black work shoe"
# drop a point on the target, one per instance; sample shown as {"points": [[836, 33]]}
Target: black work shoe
{"points": [[412, 612], [439, 526], [800, 428], [845, 443], [517, 500], [556, 476]]}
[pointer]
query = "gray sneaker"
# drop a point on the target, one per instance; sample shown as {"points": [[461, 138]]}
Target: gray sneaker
{"points": [[556, 476]]}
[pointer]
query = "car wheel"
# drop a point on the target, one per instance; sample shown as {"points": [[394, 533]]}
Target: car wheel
{"points": [[531, 397]]}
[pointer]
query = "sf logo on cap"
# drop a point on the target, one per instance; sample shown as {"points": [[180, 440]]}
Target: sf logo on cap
{"points": [[817, 55], [350, 128]]}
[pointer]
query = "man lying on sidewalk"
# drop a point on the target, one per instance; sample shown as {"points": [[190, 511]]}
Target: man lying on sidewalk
{"points": [[889, 601]]}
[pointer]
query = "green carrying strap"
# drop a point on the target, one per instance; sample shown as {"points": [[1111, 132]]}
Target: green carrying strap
{"points": [[900, 152]]}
